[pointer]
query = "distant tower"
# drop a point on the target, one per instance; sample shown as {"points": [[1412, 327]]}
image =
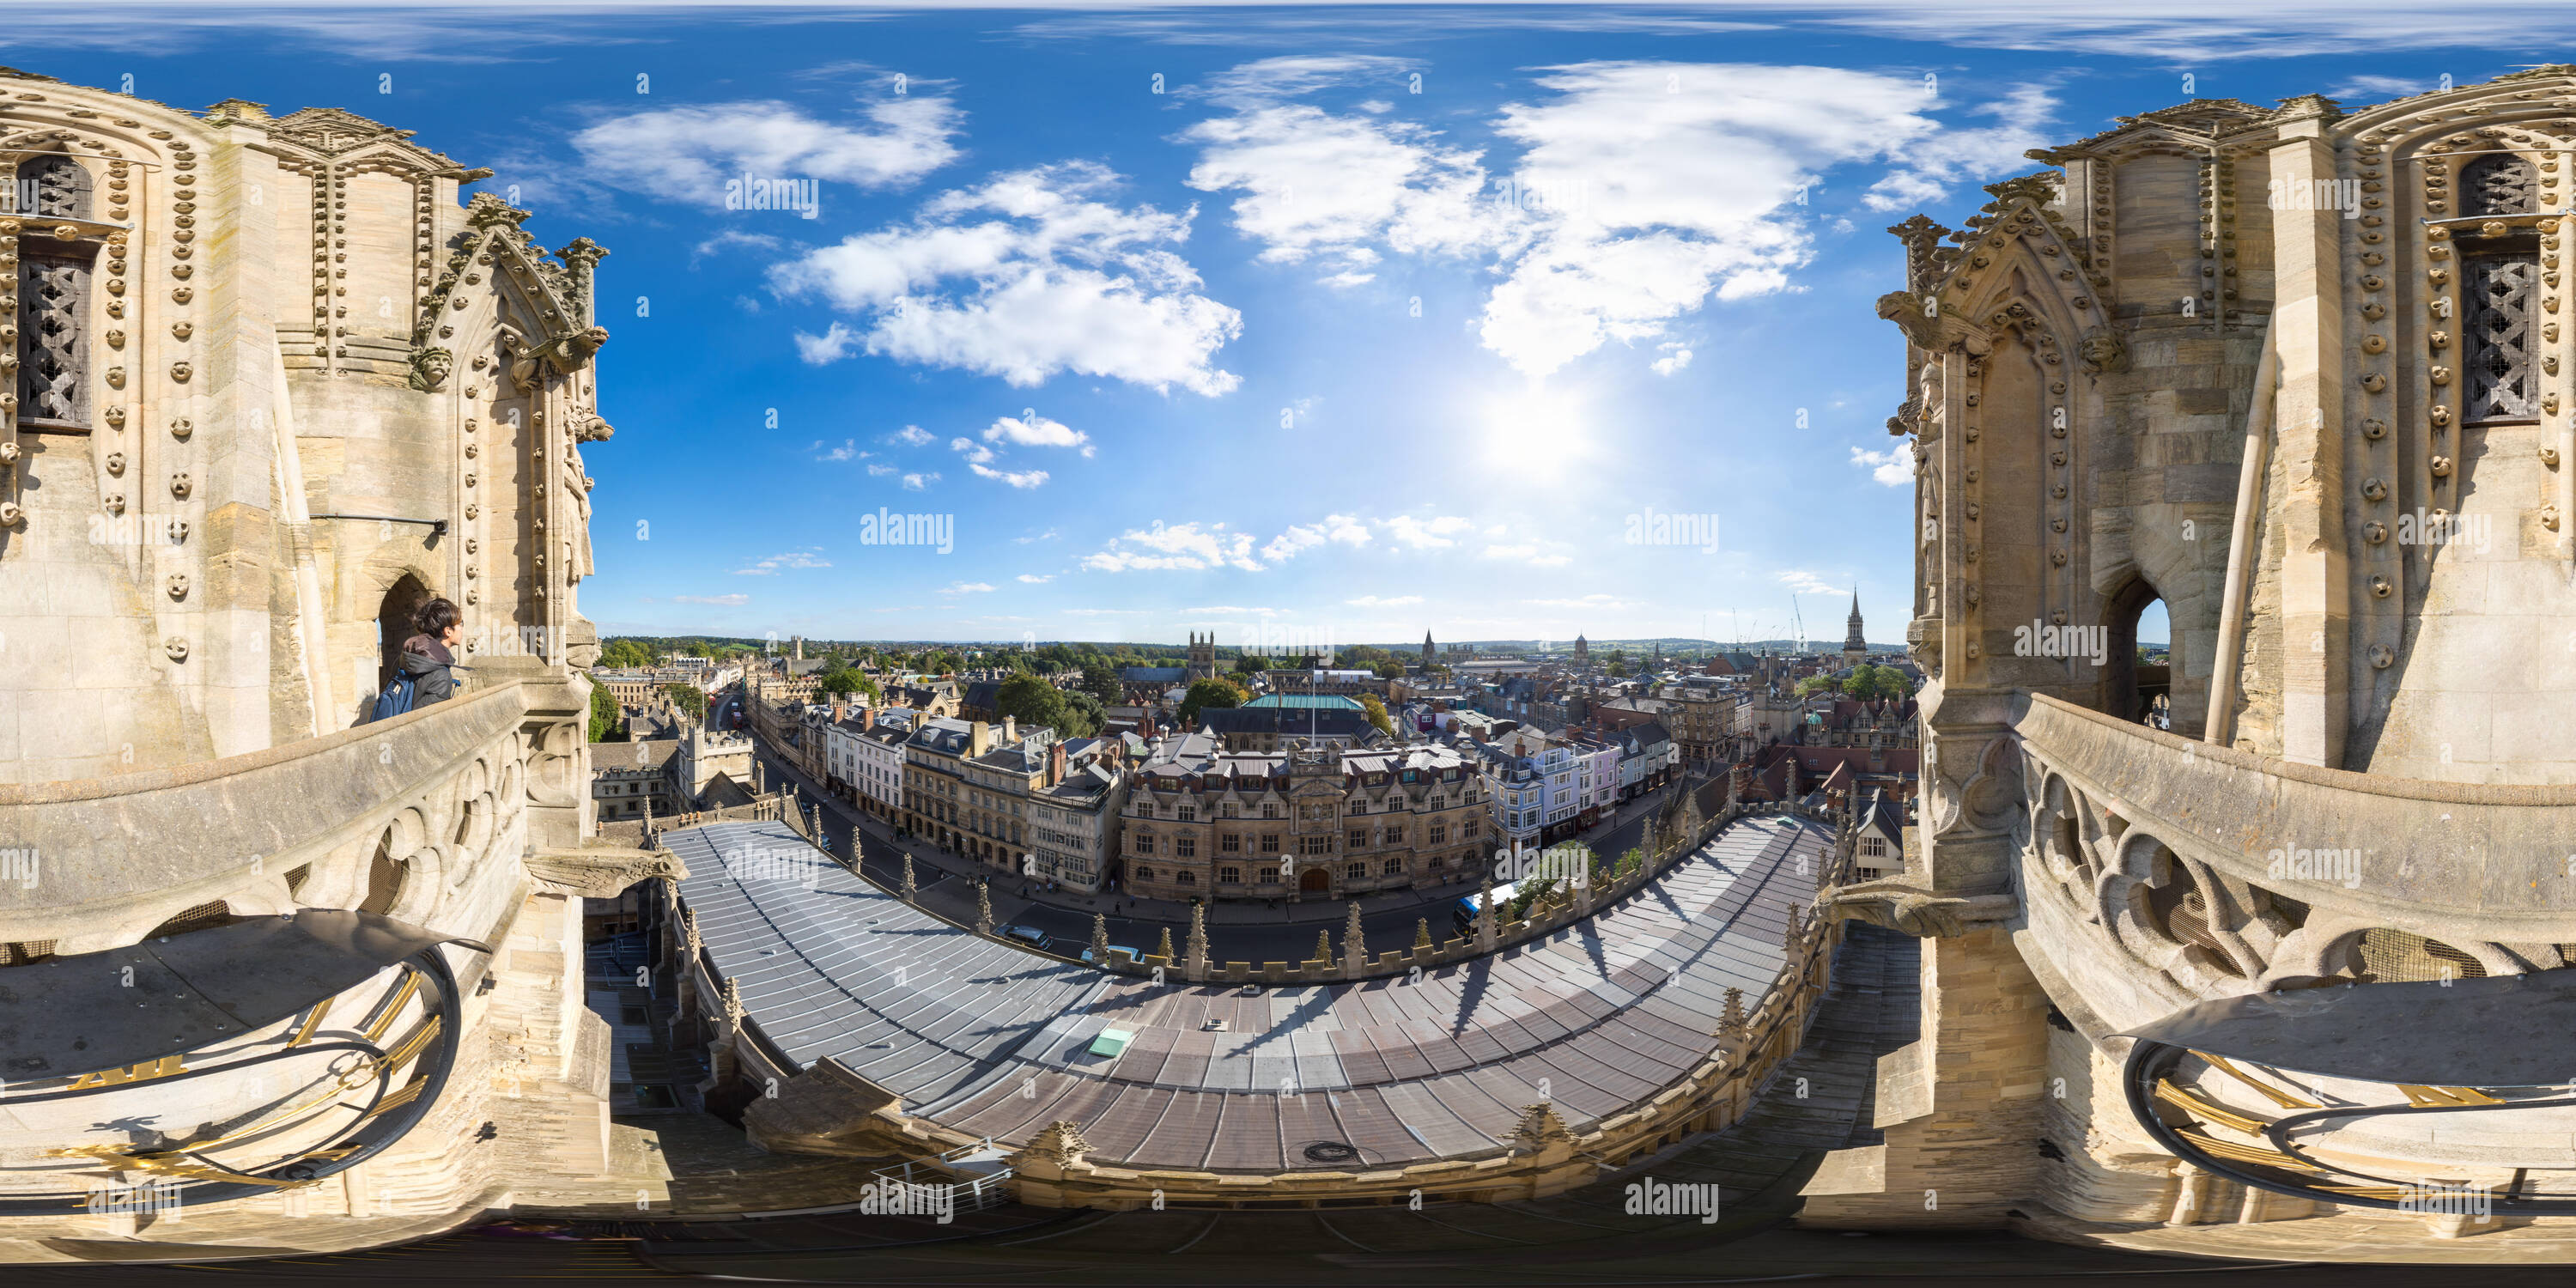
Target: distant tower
{"points": [[1855, 647], [1582, 651], [1427, 651], [800, 648], [1202, 656]]}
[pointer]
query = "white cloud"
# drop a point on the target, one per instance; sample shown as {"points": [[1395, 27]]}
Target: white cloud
{"points": [[1654, 187], [1807, 583], [1675, 358], [1104, 612], [1934, 165], [911, 436], [1048, 535], [847, 451], [880, 471], [967, 588], [1035, 430], [1426, 534], [831, 346], [974, 452], [720, 601], [1318, 184], [1296, 75], [1374, 601], [1893, 467], [2376, 88], [1339, 528], [1016, 478], [1029, 275], [1180, 546], [687, 154], [1228, 610], [918, 481], [1034, 580], [805, 558]]}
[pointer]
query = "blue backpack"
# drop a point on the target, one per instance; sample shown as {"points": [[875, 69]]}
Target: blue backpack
{"points": [[395, 700]]}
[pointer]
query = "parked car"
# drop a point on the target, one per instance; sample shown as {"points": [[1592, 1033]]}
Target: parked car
{"points": [[1029, 935]]}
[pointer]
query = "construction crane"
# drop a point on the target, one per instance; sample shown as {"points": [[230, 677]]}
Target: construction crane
{"points": [[1797, 623]]}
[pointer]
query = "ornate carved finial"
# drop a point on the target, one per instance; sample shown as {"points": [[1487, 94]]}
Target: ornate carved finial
{"points": [[1540, 1127], [1354, 942], [733, 1002], [1198, 935], [487, 211], [1422, 933], [1164, 949], [1922, 237], [236, 109], [1323, 946], [909, 889], [983, 907], [1732, 1021], [1061, 1143], [2306, 106]]}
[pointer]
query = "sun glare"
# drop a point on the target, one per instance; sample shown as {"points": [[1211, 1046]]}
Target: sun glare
{"points": [[1536, 429]]}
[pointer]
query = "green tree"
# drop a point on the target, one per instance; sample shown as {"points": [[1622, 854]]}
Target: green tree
{"points": [[1376, 713], [1031, 701], [1082, 715], [1215, 691], [1390, 670], [603, 713], [1100, 680], [1250, 664], [689, 699], [946, 662], [846, 680], [623, 654], [1815, 684]]}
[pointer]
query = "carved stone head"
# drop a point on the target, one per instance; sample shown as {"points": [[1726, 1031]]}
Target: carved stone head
{"points": [[429, 368]]}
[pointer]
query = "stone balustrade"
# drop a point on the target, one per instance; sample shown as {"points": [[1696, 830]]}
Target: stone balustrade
{"points": [[2218, 871], [399, 817]]}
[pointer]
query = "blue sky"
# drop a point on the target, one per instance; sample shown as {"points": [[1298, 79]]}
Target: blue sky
{"points": [[1370, 321]]}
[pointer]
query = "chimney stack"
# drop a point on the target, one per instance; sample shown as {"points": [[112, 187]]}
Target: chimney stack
{"points": [[1055, 764], [979, 738], [1010, 730]]}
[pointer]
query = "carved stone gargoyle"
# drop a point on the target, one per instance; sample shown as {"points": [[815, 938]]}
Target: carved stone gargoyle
{"points": [[1911, 910], [600, 870]]}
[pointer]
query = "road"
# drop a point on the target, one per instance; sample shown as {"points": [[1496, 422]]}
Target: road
{"points": [[1386, 923]]}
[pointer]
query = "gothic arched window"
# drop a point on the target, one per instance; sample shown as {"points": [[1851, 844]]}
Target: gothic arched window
{"points": [[2496, 185], [53, 294]]}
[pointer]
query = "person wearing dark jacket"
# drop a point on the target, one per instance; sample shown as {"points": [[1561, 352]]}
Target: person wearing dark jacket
{"points": [[430, 656]]}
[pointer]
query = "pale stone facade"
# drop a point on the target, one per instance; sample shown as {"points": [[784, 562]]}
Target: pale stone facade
{"points": [[271, 387], [2299, 373]]}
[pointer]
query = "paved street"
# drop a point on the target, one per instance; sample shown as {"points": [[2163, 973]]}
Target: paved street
{"points": [[1237, 931]]}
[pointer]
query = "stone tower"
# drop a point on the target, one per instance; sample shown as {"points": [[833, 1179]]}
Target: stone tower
{"points": [[1582, 651], [1855, 645], [1202, 663], [1429, 655], [276, 386], [2300, 374]]}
